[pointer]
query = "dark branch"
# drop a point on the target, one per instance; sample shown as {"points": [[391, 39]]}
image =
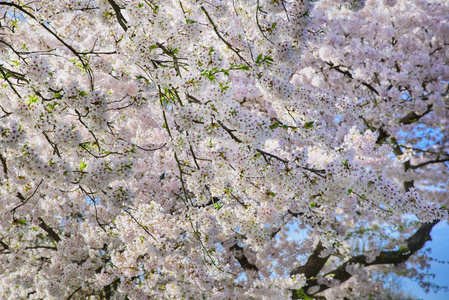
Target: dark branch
{"points": [[349, 75], [427, 163], [229, 131], [221, 38], [4, 245], [121, 20], [314, 264], [414, 244], [242, 259], [72, 294], [145, 228], [5, 167], [272, 155], [51, 233], [412, 117], [22, 198], [56, 36]]}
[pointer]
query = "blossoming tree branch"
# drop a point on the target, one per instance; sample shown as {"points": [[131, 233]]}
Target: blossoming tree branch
{"points": [[233, 149]]}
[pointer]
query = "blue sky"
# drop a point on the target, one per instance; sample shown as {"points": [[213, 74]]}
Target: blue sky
{"points": [[440, 251], [439, 234]]}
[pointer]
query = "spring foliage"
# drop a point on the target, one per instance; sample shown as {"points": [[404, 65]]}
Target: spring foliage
{"points": [[234, 149]]}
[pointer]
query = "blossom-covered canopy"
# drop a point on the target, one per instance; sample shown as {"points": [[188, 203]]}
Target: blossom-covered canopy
{"points": [[220, 149]]}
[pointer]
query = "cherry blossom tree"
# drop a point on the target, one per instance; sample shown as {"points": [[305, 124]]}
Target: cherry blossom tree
{"points": [[222, 149]]}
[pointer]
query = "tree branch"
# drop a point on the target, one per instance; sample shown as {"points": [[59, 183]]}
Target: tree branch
{"points": [[118, 14], [45, 26], [51, 233], [414, 244], [229, 131], [427, 163], [412, 117], [4, 245], [221, 38], [5, 166], [349, 75], [242, 259], [314, 264]]}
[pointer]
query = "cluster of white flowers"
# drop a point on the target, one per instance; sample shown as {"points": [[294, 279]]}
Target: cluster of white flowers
{"points": [[168, 149]]}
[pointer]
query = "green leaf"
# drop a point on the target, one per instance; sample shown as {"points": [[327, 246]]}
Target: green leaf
{"points": [[302, 295], [274, 126], [350, 192], [223, 86], [33, 98], [309, 125], [266, 59], [107, 167], [22, 222], [82, 166], [404, 249]]}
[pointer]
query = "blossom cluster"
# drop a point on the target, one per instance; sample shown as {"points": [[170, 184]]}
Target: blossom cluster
{"points": [[216, 149]]}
